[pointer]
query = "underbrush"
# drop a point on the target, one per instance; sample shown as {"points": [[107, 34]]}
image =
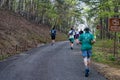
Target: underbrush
{"points": [[103, 52]]}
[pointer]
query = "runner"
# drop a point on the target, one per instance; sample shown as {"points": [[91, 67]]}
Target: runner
{"points": [[80, 32], [71, 37], [86, 40], [77, 36], [53, 35]]}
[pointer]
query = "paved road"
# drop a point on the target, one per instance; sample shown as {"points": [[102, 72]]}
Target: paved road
{"points": [[47, 62]]}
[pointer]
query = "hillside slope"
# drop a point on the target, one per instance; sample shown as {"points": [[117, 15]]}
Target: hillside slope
{"points": [[15, 30]]}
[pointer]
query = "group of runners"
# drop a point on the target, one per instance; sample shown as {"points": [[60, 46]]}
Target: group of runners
{"points": [[74, 37], [85, 39]]}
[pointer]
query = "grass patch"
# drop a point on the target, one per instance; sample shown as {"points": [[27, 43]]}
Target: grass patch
{"points": [[104, 43], [103, 53], [4, 56], [98, 56]]}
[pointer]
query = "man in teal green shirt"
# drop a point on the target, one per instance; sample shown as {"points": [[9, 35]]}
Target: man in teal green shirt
{"points": [[86, 40]]}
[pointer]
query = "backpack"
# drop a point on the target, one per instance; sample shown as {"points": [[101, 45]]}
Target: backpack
{"points": [[53, 32], [71, 33]]}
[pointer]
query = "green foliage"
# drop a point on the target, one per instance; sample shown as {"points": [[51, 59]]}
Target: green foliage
{"points": [[98, 56], [102, 57], [100, 9], [4, 56], [104, 43], [103, 52], [64, 13], [111, 57]]}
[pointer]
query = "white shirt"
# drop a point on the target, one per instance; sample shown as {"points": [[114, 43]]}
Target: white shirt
{"points": [[71, 36]]}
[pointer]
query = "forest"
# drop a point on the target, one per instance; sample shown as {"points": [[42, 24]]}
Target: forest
{"points": [[66, 13]]}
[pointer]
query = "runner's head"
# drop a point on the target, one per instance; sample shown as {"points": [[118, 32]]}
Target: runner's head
{"points": [[71, 28], [53, 27], [86, 29]]}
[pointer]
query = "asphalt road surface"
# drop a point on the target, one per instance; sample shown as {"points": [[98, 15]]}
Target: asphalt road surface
{"points": [[57, 62]]}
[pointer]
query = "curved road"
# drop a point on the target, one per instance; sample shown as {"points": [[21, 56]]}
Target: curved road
{"points": [[47, 62]]}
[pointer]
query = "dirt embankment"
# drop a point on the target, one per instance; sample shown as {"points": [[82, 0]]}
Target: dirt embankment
{"points": [[15, 30]]}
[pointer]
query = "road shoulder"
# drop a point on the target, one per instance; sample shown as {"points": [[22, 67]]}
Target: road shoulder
{"points": [[109, 72]]}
